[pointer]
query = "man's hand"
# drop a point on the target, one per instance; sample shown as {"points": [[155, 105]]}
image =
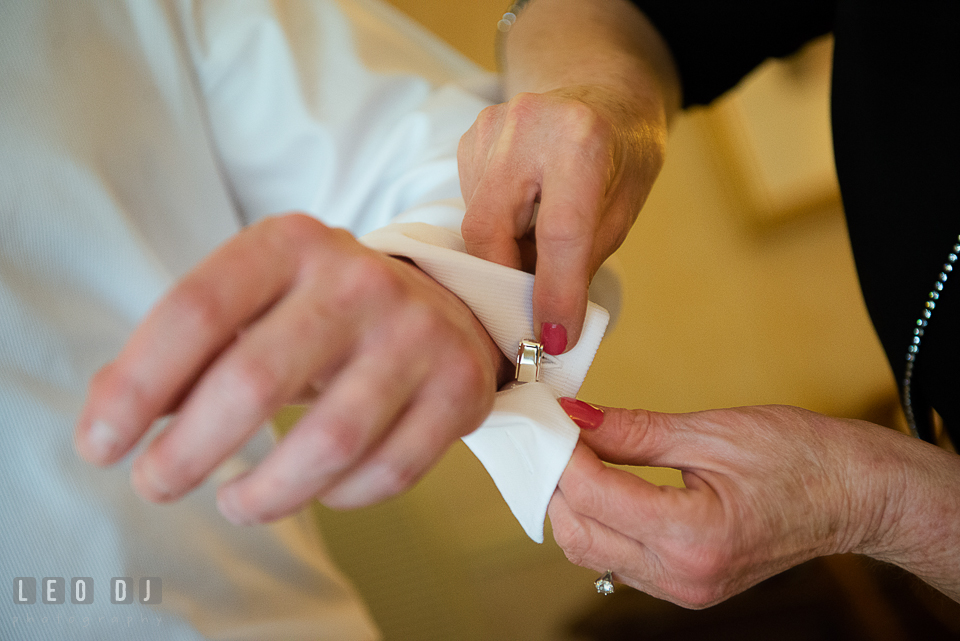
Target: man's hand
{"points": [[766, 489], [587, 157], [288, 310]]}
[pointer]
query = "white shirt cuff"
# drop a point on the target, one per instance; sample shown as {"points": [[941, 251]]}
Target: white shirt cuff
{"points": [[527, 440]]}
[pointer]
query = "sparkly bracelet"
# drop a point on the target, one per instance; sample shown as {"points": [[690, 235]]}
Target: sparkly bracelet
{"points": [[506, 22]]}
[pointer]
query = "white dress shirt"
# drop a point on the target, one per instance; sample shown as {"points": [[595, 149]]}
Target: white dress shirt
{"points": [[135, 136]]}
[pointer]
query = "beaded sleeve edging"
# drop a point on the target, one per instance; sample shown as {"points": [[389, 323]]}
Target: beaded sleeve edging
{"points": [[932, 297]]}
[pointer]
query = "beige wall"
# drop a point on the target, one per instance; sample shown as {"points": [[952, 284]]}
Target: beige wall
{"points": [[739, 289], [469, 26]]}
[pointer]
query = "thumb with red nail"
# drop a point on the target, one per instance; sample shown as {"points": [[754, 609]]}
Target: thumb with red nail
{"points": [[585, 415]]}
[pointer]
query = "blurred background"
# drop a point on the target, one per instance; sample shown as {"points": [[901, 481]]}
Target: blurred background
{"points": [[738, 289]]}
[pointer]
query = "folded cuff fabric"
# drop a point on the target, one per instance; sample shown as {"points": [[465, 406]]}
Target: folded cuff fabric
{"points": [[527, 440]]}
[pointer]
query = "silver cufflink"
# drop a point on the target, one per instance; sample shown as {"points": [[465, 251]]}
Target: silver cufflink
{"points": [[529, 359]]}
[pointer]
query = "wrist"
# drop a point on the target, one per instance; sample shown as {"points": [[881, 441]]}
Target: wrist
{"points": [[557, 43], [498, 364], [884, 483], [913, 513]]}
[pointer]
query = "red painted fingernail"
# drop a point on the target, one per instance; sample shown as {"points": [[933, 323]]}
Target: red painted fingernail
{"points": [[585, 415], [554, 338]]}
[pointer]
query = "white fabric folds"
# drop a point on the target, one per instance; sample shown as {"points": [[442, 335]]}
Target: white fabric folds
{"points": [[527, 440]]}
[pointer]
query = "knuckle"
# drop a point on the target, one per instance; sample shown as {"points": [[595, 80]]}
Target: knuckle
{"points": [[479, 143], [466, 144], [421, 322], [489, 115], [575, 542], [293, 228], [260, 501], [481, 229], [698, 596], [459, 403], [593, 143], [583, 498], [707, 565], [197, 305], [586, 127], [250, 381], [572, 225], [564, 303], [301, 235], [395, 478], [639, 430], [521, 118], [466, 375], [113, 382], [369, 277], [172, 473], [706, 572], [525, 106], [578, 116], [462, 393], [487, 125], [337, 444]]}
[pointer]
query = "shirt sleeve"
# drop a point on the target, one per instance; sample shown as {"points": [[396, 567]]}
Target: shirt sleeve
{"points": [[716, 44], [347, 111]]}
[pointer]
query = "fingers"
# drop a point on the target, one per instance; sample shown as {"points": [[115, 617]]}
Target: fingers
{"points": [[239, 392], [566, 234], [589, 537], [497, 219], [662, 540], [557, 150], [632, 437], [759, 497], [635, 562], [499, 215], [343, 424], [401, 366], [591, 544], [343, 451], [498, 188], [420, 438], [601, 493], [179, 338]]}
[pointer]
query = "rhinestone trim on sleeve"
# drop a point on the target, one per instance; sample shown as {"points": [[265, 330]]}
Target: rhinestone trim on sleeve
{"points": [[918, 331]]}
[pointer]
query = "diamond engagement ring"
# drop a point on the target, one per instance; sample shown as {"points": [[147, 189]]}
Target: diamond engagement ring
{"points": [[605, 583]]}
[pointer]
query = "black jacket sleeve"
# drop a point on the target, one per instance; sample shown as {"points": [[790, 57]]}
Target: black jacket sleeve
{"points": [[715, 44]]}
